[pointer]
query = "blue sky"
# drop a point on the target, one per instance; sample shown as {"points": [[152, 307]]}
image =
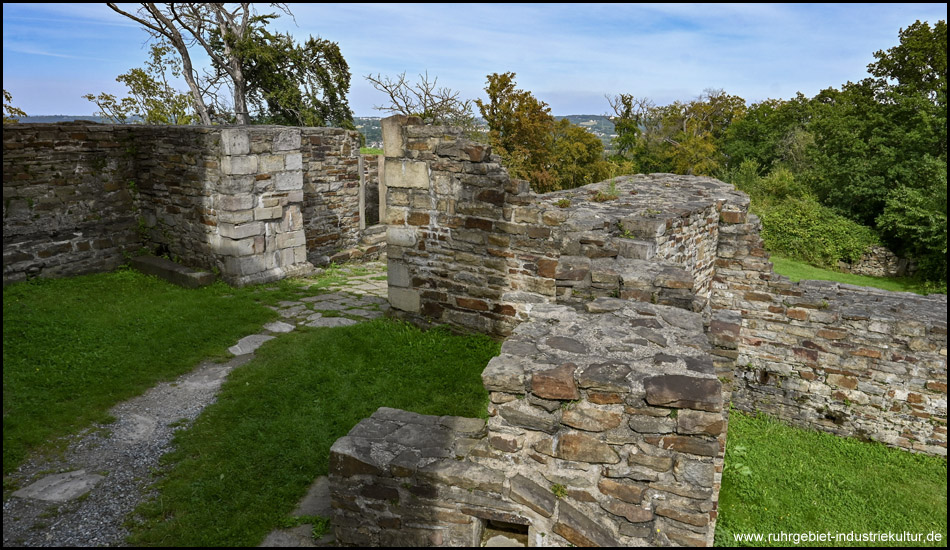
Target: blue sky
{"points": [[567, 55]]}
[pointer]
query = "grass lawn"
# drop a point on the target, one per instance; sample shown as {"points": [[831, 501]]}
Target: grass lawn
{"points": [[797, 271], [241, 468], [783, 479], [73, 348]]}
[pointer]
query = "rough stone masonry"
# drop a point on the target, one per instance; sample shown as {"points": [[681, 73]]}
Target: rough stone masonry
{"points": [[606, 424]]}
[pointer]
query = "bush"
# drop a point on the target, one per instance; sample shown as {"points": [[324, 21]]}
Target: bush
{"points": [[803, 229]]}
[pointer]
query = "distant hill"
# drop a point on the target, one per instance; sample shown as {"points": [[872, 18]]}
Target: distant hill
{"points": [[52, 119]]}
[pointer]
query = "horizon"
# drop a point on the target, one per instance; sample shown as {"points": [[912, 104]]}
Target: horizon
{"points": [[568, 56]]}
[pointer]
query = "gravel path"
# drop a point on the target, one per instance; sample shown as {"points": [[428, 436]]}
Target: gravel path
{"points": [[83, 496]]}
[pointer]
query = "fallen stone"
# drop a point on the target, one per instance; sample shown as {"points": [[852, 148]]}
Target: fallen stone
{"points": [[249, 344], [279, 326], [61, 487]]}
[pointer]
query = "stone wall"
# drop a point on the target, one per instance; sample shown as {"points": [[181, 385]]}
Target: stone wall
{"points": [[878, 261], [471, 247], [332, 191], [69, 211], [245, 202], [605, 428]]}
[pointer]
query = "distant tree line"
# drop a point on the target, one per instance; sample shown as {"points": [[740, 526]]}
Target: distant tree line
{"points": [[830, 174]]}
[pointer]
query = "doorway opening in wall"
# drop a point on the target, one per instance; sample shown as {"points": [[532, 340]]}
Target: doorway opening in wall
{"points": [[500, 533], [372, 201]]}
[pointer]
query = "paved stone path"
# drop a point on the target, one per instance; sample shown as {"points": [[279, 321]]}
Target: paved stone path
{"points": [[83, 496]]}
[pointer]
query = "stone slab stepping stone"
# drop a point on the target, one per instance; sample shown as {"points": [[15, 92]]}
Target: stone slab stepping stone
{"points": [[292, 312], [279, 326], [331, 322], [249, 343], [61, 487]]}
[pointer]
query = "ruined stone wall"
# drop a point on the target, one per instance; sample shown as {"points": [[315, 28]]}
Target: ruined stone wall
{"points": [[878, 261], [67, 204], [331, 186], [174, 172], [471, 247], [848, 360], [243, 201], [605, 428]]}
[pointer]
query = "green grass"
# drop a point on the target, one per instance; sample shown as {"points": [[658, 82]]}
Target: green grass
{"points": [[247, 460], [73, 348], [797, 271], [782, 479], [370, 151]]}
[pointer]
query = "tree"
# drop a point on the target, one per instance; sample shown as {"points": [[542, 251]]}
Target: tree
{"points": [[152, 99], [11, 114], [520, 129], [578, 156], [251, 63], [299, 85], [424, 99], [629, 119]]}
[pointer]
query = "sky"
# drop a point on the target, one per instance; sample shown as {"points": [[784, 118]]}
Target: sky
{"points": [[567, 55]]}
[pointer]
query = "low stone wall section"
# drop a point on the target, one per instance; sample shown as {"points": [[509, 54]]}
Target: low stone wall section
{"points": [[606, 427], [849, 360]]}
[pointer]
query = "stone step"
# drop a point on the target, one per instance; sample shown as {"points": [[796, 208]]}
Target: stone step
{"points": [[374, 235], [172, 272], [636, 249]]}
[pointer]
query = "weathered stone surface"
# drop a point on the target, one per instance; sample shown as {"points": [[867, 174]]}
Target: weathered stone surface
{"points": [[623, 490], [557, 383], [580, 530], [675, 390], [249, 344], [60, 487], [609, 376], [532, 495], [582, 447], [504, 374], [692, 518], [465, 475], [658, 463], [590, 419], [694, 472], [697, 422], [523, 415], [651, 424], [630, 512], [687, 444]]}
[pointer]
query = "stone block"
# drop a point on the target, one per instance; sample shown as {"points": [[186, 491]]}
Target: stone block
{"points": [[623, 490], [241, 231], [272, 163], [590, 419], [504, 374], [557, 383], [578, 529], [405, 299], [287, 140], [689, 422], [407, 174], [532, 495], [235, 141], [401, 236], [609, 376], [239, 165], [397, 274], [293, 161], [392, 130], [292, 239], [681, 391], [520, 414], [581, 447], [268, 213], [289, 180]]}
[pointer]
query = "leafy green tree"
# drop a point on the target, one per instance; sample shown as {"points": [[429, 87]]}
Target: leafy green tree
{"points": [[520, 129], [11, 114], [152, 99], [297, 85], [578, 156]]}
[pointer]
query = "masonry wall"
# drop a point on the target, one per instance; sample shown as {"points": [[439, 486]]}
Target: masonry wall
{"points": [[471, 247], [67, 204], [588, 442], [848, 360], [244, 202]]}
